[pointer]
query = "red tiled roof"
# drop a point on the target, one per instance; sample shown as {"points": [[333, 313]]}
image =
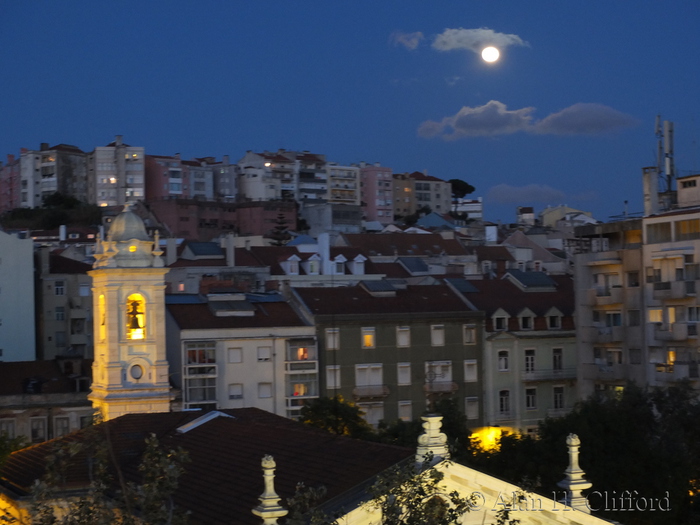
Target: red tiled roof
{"points": [[223, 479], [502, 293], [392, 270], [59, 264], [199, 316], [493, 253], [243, 257], [355, 300], [48, 373], [417, 244]]}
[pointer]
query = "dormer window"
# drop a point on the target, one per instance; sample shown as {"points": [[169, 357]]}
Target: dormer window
{"points": [[554, 322], [293, 268], [500, 323], [526, 322], [339, 268], [313, 267]]}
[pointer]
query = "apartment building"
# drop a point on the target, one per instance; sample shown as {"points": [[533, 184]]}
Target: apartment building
{"points": [[529, 350], [41, 173], [637, 305], [116, 174], [394, 350], [65, 307], [377, 193], [416, 190], [17, 321], [170, 177], [234, 350]]}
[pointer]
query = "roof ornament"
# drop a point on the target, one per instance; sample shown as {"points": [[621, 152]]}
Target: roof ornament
{"points": [[432, 443], [574, 482], [269, 508]]}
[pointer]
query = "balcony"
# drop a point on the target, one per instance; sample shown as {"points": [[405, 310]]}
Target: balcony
{"points": [[674, 332], [607, 295], [504, 416], [601, 372], [557, 412], [549, 375], [301, 366], [78, 339], [440, 387], [370, 392], [603, 334], [674, 372], [672, 289], [78, 313]]}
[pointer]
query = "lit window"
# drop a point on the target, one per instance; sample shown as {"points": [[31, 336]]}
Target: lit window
{"points": [[368, 338], [503, 360], [332, 339], [84, 290], [656, 315], [437, 335], [403, 336], [136, 317], [181, 287], [471, 371]]}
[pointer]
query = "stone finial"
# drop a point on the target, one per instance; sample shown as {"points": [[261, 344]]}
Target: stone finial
{"points": [[432, 441], [269, 508], [574, 482]]}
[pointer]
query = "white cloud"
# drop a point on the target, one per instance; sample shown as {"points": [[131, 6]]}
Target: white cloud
{"points": [[475, 39], [584, 119], [408, 40], [532, 193], [494, 118]]}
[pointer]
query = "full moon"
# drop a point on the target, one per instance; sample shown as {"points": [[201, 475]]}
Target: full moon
{"points": [[490, 54]]}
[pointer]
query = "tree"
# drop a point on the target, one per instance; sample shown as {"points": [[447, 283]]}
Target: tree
{"points": [[640, 441], [280, 234], [411, 495], [460, 189], [337, 416], [110, 499]]}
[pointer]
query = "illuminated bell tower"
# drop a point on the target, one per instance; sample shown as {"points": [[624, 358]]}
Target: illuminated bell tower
{"points": [[130, 371]]}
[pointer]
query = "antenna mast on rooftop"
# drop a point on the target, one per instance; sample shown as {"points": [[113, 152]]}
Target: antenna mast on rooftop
{"points": [[664, 152]]}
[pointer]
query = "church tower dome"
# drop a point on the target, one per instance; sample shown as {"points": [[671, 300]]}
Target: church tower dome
{"points": [[130, 370]]}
